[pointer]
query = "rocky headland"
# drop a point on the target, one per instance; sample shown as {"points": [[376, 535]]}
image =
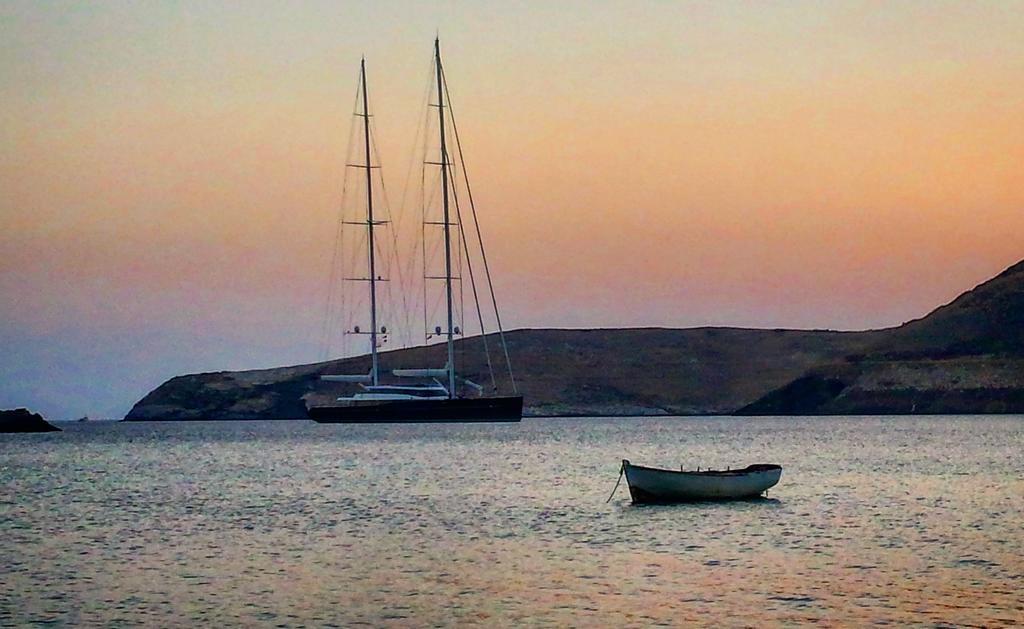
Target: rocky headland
{"points": [[23, 420], [965, 357]]}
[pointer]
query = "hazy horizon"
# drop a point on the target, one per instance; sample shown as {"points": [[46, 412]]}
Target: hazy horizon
{"points": [[171, 173]]}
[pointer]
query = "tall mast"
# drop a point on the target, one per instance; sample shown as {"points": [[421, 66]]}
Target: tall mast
{"points": [[447, 225], [369, 227]]}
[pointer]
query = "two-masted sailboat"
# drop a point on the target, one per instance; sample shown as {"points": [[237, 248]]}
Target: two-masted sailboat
{"points": [[430, 394]]}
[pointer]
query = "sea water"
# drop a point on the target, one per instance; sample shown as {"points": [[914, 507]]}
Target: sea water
{"points": [[876, 520]]}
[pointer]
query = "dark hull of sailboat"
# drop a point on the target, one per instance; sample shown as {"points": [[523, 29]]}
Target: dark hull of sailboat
{"points": [[459, 410]]}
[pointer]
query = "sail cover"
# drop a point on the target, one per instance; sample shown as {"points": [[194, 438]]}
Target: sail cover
{"points": [[344, 378], [420, 373]]}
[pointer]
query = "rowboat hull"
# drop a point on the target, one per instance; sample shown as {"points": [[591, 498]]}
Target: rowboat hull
{"points": [[648, 485], [461, 410]]}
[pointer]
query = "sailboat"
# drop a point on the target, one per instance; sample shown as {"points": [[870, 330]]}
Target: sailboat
{"points": [[429, 394]]}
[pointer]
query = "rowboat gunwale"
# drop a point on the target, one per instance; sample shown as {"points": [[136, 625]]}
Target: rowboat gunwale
{"points": [[750, 469]]}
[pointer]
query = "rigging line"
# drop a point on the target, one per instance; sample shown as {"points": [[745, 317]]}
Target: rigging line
{"points": [[426, 195], [392, 259], [479, 236], [337, 254], [423, 237], [462, 293], [359, 303], [325, 336], [385, 208], [476, 297], [462, 253], [423, 196], [357, 300], [357, 265], [334, 291], [395, 261], [458, 246], [432, 254], [430, 194], [346, 314], [403, 210], [432, 251]]}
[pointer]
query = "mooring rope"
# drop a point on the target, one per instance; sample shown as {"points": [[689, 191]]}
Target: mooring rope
{"points": [[622, 470]]}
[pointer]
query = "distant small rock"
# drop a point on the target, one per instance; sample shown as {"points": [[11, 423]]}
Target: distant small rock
{"points": [[21, 420]]}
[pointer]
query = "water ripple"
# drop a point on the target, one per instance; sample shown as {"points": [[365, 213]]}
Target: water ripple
{"points": [[877, 520]]}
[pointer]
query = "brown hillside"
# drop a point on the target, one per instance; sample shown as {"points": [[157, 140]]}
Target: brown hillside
{"points": [[964, 357], [987, 320], [631, 371]]}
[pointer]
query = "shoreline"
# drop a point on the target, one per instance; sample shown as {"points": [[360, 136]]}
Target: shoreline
{"points": [[572, 416]]}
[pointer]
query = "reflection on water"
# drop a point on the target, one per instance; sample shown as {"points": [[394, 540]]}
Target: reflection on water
{"points": [[875, 520]]}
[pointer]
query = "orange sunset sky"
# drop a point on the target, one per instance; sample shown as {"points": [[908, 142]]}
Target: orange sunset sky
{"points": [[170, 171]]}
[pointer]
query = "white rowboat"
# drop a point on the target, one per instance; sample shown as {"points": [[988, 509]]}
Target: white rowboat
{"points": [[649, 485]]}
